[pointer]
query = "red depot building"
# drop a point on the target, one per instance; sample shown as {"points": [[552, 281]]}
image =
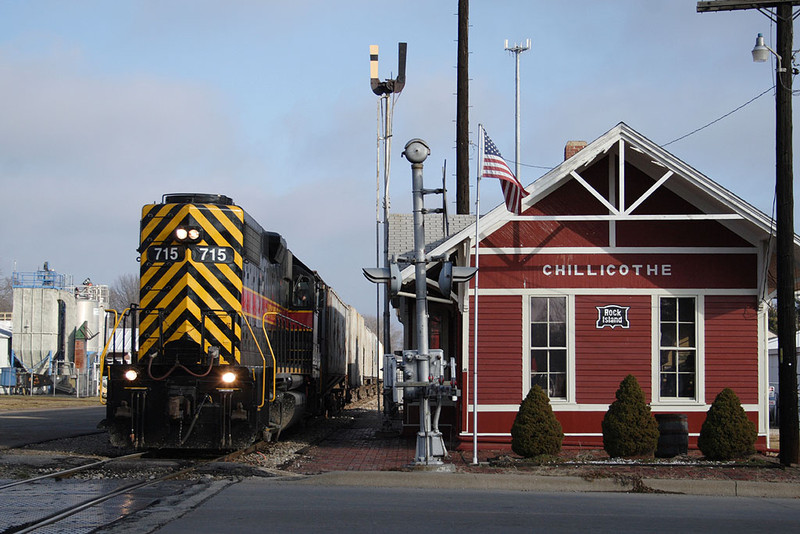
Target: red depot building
{"points": [[625, 260]]}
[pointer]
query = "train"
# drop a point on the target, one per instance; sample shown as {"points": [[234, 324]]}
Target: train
{"points": [[238, 339]]}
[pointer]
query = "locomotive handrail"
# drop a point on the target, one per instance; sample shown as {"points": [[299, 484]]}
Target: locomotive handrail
{"points": [[289, 322], [263, 359], [274, 362], [117, 318]]}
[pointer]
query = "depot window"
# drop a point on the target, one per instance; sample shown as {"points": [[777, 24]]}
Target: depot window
{"points": [[678, 348], [548, 360]]}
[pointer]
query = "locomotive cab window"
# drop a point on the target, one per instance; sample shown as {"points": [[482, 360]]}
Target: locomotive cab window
{"points": [[303, 292]]}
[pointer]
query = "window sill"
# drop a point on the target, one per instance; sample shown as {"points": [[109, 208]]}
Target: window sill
{"points": [[668, 403]]}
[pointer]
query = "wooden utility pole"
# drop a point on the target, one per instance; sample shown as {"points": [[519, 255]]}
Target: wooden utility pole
{"points": [[784, 209], [462, 111], [784, 199]]}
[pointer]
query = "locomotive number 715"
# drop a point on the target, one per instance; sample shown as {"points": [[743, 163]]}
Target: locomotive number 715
{"points": [[165, 253], [212, 254]]}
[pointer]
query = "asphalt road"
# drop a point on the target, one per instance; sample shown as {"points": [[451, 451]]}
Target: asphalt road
{"points": [[34, 426], [294, 506]]}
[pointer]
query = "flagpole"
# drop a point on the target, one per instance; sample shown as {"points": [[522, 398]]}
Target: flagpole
{"points": [[475, 321]]}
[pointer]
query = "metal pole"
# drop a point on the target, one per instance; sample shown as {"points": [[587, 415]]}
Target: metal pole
{"points": [[420, 273], [384, 89], [378, 355], [475, 320], [387, 146], [516, 116], [517, 50], [430, 445]]}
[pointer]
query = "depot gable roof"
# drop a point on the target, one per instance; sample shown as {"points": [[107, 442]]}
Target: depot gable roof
{"points": [[710, 200]]}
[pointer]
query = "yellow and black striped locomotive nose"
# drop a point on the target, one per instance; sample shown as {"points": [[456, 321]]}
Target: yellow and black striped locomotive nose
{"points": [[191, 278]]}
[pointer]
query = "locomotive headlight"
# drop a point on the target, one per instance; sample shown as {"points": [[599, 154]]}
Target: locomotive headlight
{"points": [[187, 233], [131, 375], [229, 377]]}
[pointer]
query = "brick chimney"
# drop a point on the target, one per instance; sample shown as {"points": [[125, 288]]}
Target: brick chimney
{"points": [[572, 148]]}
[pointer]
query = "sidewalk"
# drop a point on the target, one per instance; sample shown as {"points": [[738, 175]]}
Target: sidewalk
{"points": [[355, 455]]}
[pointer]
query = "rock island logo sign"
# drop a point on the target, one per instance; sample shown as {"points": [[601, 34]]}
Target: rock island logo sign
{"points": [[613, 316]]}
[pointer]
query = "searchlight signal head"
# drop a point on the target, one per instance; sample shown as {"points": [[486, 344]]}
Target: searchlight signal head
{"points": [[388, 86]]}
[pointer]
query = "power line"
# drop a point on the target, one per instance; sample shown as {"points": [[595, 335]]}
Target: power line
{"points": [[679, 138], [719, 119]]}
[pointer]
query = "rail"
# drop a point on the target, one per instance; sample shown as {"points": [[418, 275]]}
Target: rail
{"points": [[71, 470], [60, 514]]}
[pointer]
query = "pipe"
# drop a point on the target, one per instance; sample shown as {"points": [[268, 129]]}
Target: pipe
{"points": [[194, 419], [436, 418]]}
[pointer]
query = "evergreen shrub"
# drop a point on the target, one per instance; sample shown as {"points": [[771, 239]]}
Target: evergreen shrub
{"points": [[629, 429], [727, 433], [536, 431]]}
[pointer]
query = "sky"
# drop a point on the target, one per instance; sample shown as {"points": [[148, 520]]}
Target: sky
{"points": [[106, 106]]}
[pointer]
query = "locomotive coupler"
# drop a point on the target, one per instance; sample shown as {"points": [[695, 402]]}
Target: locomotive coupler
{"points": [[123, 410], [175, 408], [239, 414]]}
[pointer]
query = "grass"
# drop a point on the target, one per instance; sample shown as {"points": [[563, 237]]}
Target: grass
{"points": [[9, 403]]}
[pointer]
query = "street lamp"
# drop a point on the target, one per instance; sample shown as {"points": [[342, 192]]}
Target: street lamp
{"points": [[761, 52]]}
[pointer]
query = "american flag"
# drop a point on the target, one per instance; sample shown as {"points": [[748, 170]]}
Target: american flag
{"points": [[495, 167]]}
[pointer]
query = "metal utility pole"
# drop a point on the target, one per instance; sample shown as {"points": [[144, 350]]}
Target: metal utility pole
{"points": [[416, 152], [383, 90], [462, 111], [517, 49], [430, 444], [424, 369], [784, 200]]}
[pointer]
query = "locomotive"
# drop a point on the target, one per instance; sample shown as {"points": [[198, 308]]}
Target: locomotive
{"points": [[237, 338]]}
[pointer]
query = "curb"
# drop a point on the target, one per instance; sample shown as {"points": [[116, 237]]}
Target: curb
{"points": [[543, 483], [467, 481], [725, 488]]}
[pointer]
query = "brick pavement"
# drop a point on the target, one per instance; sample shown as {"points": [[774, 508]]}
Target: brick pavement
{"points": [[359, 448]]}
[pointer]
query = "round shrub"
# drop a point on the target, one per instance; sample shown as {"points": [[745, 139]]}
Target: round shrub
{"points": [[536, 431], [629, 429], [727, 433]]}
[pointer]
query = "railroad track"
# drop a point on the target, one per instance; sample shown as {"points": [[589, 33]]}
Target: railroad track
{"points": [[24, 493], [50, 516]]}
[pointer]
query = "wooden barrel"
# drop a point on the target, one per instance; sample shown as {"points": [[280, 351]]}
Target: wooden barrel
{"points": [[673, 437]]}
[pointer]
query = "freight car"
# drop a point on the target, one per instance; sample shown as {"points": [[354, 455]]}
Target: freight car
{"points": [[237, 338]]}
